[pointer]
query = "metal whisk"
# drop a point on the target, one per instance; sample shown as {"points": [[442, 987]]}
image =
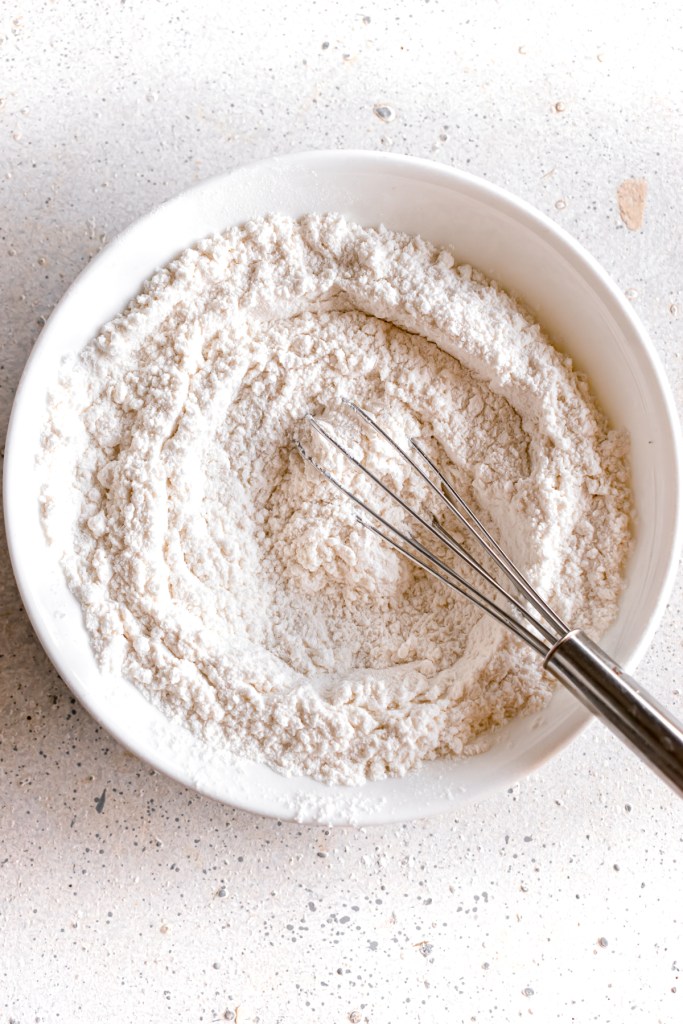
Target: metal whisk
{"points": [[568, 654]]}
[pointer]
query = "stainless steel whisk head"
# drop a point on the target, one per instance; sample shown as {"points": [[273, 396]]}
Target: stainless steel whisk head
{"points": [[538, 624], [571, 656]]}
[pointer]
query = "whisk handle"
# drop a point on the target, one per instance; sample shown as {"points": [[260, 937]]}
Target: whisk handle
{"points": [[616, 698]]}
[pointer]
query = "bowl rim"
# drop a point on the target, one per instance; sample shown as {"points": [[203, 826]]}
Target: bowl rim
{"points": [[333, 160]]}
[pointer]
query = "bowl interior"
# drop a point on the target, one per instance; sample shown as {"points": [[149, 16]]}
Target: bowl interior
{"points": [[572, 298]]}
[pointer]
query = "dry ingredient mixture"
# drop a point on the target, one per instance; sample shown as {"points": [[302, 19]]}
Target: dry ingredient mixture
{"points": [[232, 584]]}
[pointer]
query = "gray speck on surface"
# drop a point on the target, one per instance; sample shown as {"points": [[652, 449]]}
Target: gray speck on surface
{"points": [[527, 991], [602, 941], [426, 948], [99, 802], [384, 113]]}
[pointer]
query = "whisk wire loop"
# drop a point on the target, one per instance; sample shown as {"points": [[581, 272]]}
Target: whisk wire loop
{"points": [[468, 518], [436, 529], [449, 576]]}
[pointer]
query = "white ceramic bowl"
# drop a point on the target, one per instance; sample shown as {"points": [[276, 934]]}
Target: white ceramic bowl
{"points": [[513, 243]]}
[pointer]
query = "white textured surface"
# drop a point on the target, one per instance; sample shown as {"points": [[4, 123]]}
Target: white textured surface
{"points": [[152, 903]]}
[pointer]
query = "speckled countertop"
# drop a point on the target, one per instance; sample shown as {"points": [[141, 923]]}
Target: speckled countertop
{"points": [[123, 896]]}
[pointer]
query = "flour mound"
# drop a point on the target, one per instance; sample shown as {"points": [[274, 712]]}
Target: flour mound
{"points": [[233, 585]]}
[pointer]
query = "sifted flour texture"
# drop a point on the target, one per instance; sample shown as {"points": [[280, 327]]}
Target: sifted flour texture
{"points": [[233, 585]]}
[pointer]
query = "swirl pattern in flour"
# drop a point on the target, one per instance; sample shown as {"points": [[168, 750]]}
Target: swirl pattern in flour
{"points": [[229, 582]]}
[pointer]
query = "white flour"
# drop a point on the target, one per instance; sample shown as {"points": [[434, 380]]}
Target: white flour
{"points": [[233, 585]]}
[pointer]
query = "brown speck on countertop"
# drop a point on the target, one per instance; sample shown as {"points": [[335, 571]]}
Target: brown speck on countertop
{"points": [[631, 196]]}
